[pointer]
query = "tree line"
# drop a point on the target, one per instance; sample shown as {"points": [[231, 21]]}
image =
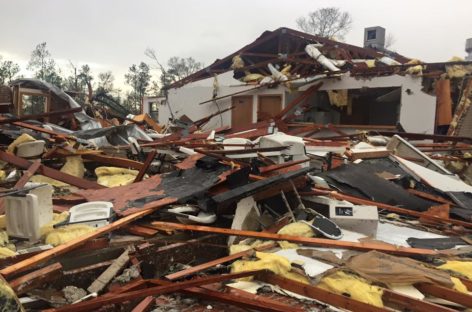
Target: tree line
{"points": [[83, 83], [328, 22]]}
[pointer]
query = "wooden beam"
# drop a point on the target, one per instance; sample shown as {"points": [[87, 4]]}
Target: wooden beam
{"points": [[42, 115], [431, 197], [305, 94], [36, 278], [114, 161], [43, 130], [411, 304], [144, 305], [50, 172], [93, 304], [445, 293], [310, 241], [28, 174], [145, 167], [246, 150], [319, 294], [287, 164]]}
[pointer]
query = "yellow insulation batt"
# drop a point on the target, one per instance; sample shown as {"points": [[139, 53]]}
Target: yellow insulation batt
{"points": [[74, 166], [56, 218], [462, 267], [253, 77], [370, 63], [359, 289], [8, 300], [295, 229], [242, 247], [21, 139], [275, 263], [459, 286], [3, 238], [3, 175], [338, 98], [113, 176], [6, 252], [67, 233]]}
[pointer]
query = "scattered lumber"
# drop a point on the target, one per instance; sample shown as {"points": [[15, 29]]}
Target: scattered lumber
{"points": [[137, 294]]}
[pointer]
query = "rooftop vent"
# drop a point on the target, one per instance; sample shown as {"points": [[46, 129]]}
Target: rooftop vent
{"points": [[468, 49], [374, 37]]}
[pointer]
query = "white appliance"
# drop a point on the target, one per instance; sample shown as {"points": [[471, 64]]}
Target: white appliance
{"points": [[357, 218], [25, 215]]}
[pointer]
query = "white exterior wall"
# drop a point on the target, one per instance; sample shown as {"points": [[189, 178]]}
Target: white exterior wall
{"points": [[185, 100], [417, 110]]}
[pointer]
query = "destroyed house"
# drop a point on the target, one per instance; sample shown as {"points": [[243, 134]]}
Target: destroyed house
{"points": [[360, 86]]}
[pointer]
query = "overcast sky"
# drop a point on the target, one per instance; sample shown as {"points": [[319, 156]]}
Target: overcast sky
{"points": [[113, 34]]}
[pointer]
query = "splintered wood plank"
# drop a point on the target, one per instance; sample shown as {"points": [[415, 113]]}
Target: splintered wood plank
{"points": [[145, 166], [28, 174], [114, 161], [107, 275]]}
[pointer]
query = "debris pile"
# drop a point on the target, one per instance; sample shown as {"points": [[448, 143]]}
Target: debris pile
{"points": [[275, 215]]}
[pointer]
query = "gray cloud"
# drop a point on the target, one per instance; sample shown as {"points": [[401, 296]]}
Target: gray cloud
{"points": [[113, 34]]}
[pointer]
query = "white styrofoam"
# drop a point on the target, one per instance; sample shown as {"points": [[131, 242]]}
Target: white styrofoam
{"points": [[26, 215]]}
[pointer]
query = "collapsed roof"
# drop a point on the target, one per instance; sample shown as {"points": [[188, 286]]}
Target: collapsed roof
{"points": [[285, 46]]}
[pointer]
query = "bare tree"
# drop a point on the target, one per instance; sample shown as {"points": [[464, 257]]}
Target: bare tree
{"points": [[326, 22], [177, 68], [390, 41]]}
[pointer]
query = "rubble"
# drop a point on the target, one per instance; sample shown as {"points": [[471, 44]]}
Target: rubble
{"points": [[275, 214]]}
